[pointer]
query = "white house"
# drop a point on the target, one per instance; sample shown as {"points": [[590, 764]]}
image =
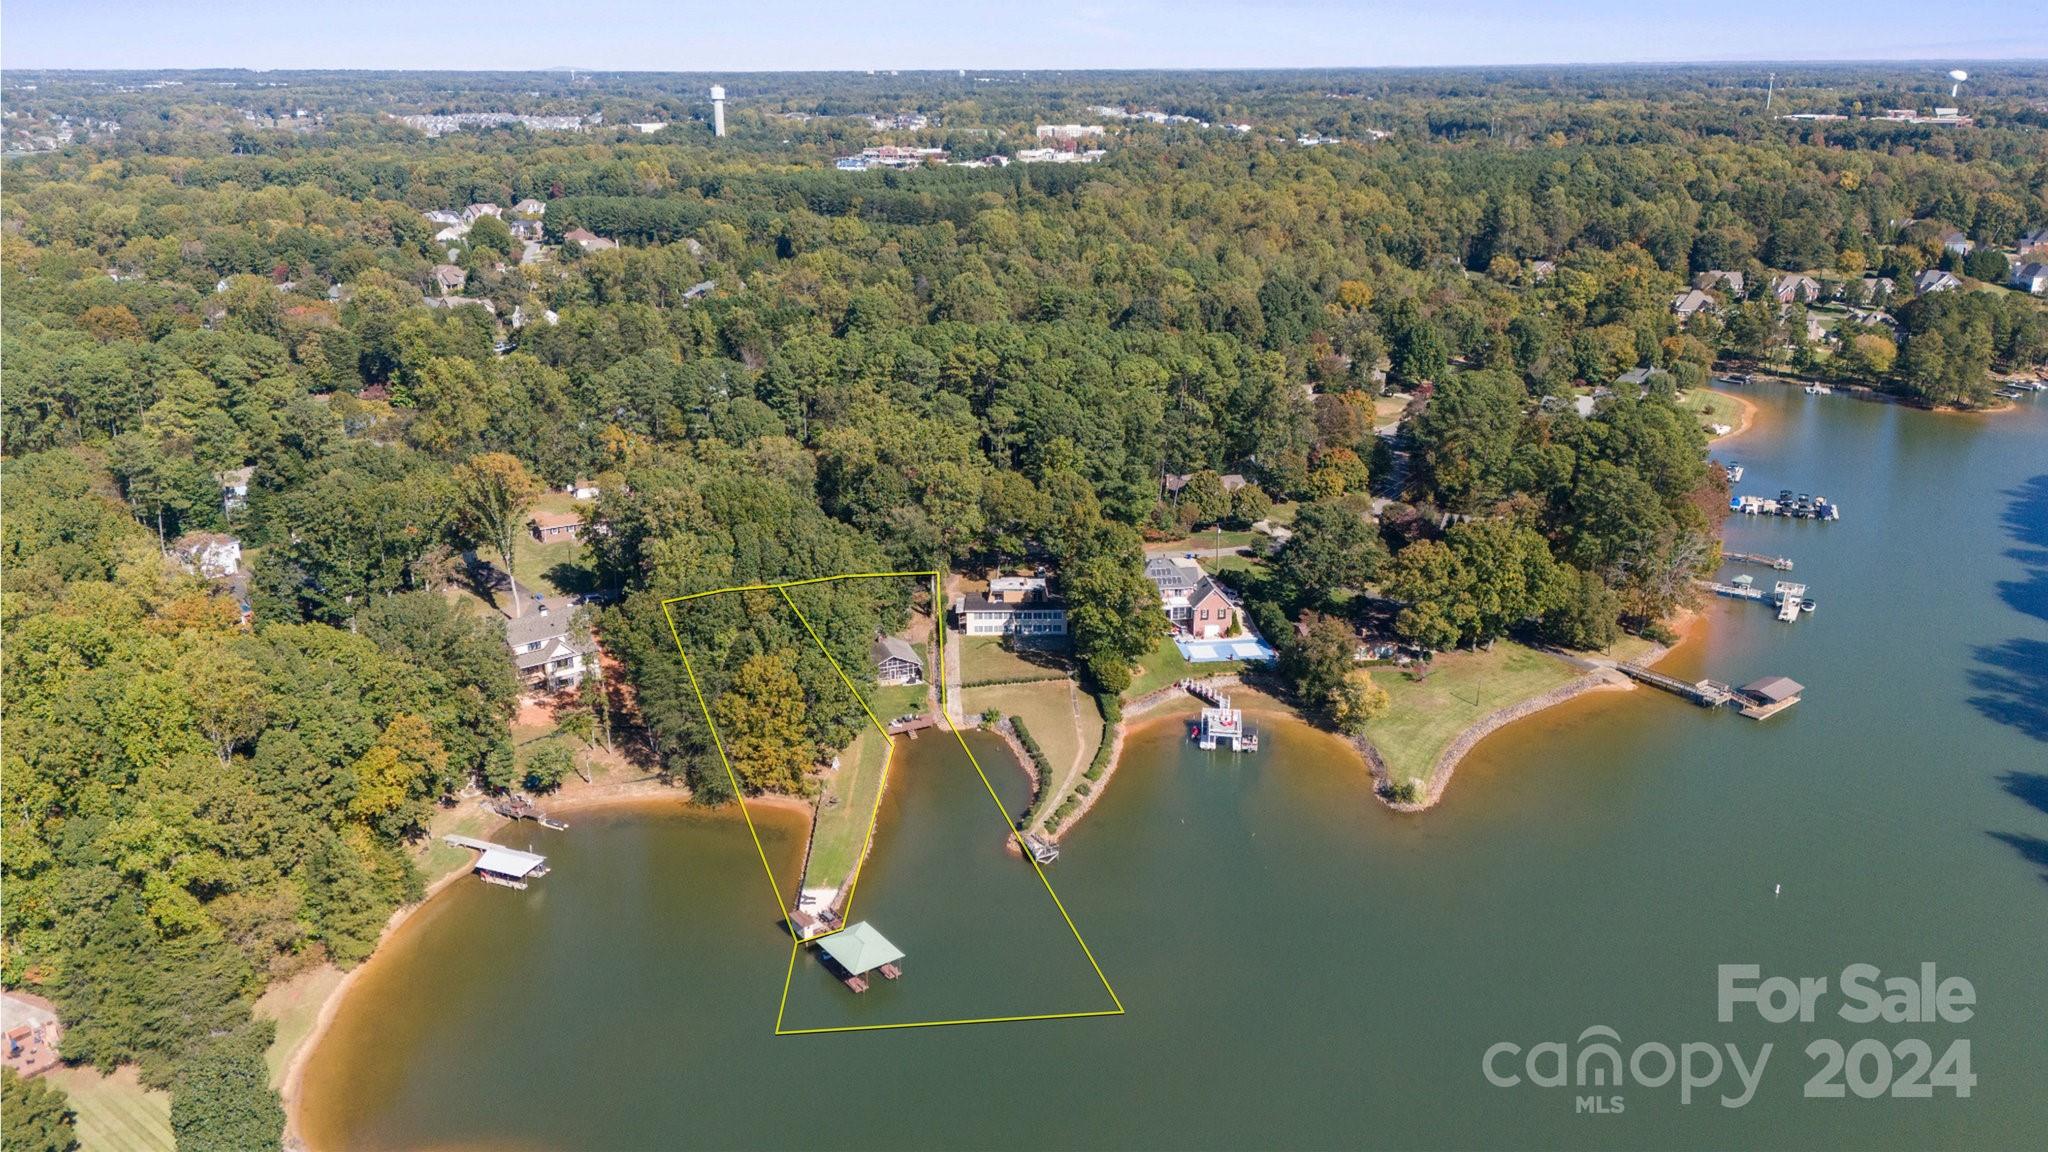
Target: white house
{"points": [[543, 646], [2031, 277], [208, 554], [1013, 606]]}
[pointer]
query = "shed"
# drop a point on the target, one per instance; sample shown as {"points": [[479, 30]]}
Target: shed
{"points": [[860, 949]]}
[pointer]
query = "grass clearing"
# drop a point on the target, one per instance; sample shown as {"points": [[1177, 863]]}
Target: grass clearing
{"points": [[295, 1005], [1424, 716], [1712, 407], [889, 702], [116, 1113], [846, 807], [1065, 723], [984, 659]]}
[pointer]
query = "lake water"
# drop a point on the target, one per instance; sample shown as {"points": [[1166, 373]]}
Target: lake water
{"points": [[1300, 967]]}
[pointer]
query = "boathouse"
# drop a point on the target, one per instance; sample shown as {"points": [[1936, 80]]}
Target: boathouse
{"points": [[859, 950], [1765, 698], [497, 864]]}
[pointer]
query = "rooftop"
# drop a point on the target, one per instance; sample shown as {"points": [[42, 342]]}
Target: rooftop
{"points": [[1774, 688], [859, 948], [894, 647]]}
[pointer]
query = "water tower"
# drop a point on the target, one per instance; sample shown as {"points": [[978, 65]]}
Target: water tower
{"points": [[718, 110], [1958, 76]]}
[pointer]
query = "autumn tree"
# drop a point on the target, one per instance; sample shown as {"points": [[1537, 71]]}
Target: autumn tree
{"points": [[492, 492]]}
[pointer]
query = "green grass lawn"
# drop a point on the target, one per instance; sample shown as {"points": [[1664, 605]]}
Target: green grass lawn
{"points": [[116, 1113], [1203, 541], [1713, 407], [983, 658], [1164, 665], [845, 810], [1423, 717], [1065, 723], [900, 700]]}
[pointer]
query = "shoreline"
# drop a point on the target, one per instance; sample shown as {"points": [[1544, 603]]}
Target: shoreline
{"points": [[1138, 709], [1598, 678], [1748, 419], [623, 794]]}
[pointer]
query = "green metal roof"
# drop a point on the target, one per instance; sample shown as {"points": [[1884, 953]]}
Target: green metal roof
{"points": [[859, 948]]}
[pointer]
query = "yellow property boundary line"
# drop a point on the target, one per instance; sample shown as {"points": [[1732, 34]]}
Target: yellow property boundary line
{"points": [[775, 892]]}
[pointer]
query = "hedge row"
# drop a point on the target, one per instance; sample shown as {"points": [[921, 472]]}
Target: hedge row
{"points": [[1031, 746]]}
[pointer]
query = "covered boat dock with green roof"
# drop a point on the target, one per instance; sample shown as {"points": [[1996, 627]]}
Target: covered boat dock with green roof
{"points": [[858, 950]]}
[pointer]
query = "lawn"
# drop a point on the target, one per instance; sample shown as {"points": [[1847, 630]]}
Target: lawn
{"points": [[1165, 665], [1203, 542], [295, 1005], [846, 811], [1065, 723], [984, 659], [116, 1113], [1713, 407], [898, 700], [1423, 717]]}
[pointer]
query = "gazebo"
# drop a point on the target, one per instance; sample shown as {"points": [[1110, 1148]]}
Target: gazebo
{"points": [[858, 950]]}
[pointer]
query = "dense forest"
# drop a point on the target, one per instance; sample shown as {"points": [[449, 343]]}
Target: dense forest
{"points": [[941, 368]]}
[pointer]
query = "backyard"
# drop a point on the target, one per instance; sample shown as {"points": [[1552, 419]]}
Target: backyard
{"points": [[116, 1113], [1063, 721], [845, 810], [1424, 716]]}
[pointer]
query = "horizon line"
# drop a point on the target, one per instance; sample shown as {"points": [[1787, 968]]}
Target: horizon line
{"points": [[954, 68]]}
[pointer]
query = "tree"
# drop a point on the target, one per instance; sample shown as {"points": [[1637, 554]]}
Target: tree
{"points": [[1586, 619], [1113, 612], [488, 234], [492, 492], [549, 765], [222, 1101], [35, 1116], [1202, 500], [1334, 548], [1417, 351], [760, 719]]}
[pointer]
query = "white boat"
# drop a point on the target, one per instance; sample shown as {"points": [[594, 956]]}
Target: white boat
{"points": [[1818, 390]]}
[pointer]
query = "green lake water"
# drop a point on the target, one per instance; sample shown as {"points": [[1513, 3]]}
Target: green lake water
{"points": [[1300, 967]]}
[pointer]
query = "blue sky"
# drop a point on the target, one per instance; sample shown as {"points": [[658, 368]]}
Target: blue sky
{"points": [[766, 35]]}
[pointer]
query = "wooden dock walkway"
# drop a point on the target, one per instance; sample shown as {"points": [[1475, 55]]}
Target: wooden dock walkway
{"points": [[1781, 563], [1705, 693]]}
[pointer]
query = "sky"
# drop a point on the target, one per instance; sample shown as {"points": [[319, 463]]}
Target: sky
{"points": [[782, 35]]}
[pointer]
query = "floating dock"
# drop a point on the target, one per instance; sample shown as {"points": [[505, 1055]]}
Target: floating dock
{"points": [[1789, 504], [1791, 600], [1780, 563]]}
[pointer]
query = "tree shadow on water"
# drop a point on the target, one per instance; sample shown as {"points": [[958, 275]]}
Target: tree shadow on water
{"points": [[2012, 685], [2026, 520], [2031, 787], [2032, 849]]}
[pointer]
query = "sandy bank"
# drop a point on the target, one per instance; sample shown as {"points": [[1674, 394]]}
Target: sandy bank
{"points": [[648, 791]]}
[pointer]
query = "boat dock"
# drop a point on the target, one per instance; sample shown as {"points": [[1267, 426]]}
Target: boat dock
{"points": [[1791, 505], [1787, 597], [1042, 850], [497, 864], [1780, 563], [522, 808], [1758, 700], [911, 725], [1791, 600], [1705, 693], [857, 950]]}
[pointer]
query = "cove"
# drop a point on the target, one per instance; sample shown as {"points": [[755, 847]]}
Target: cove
{"points": [[1301, 967]]}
